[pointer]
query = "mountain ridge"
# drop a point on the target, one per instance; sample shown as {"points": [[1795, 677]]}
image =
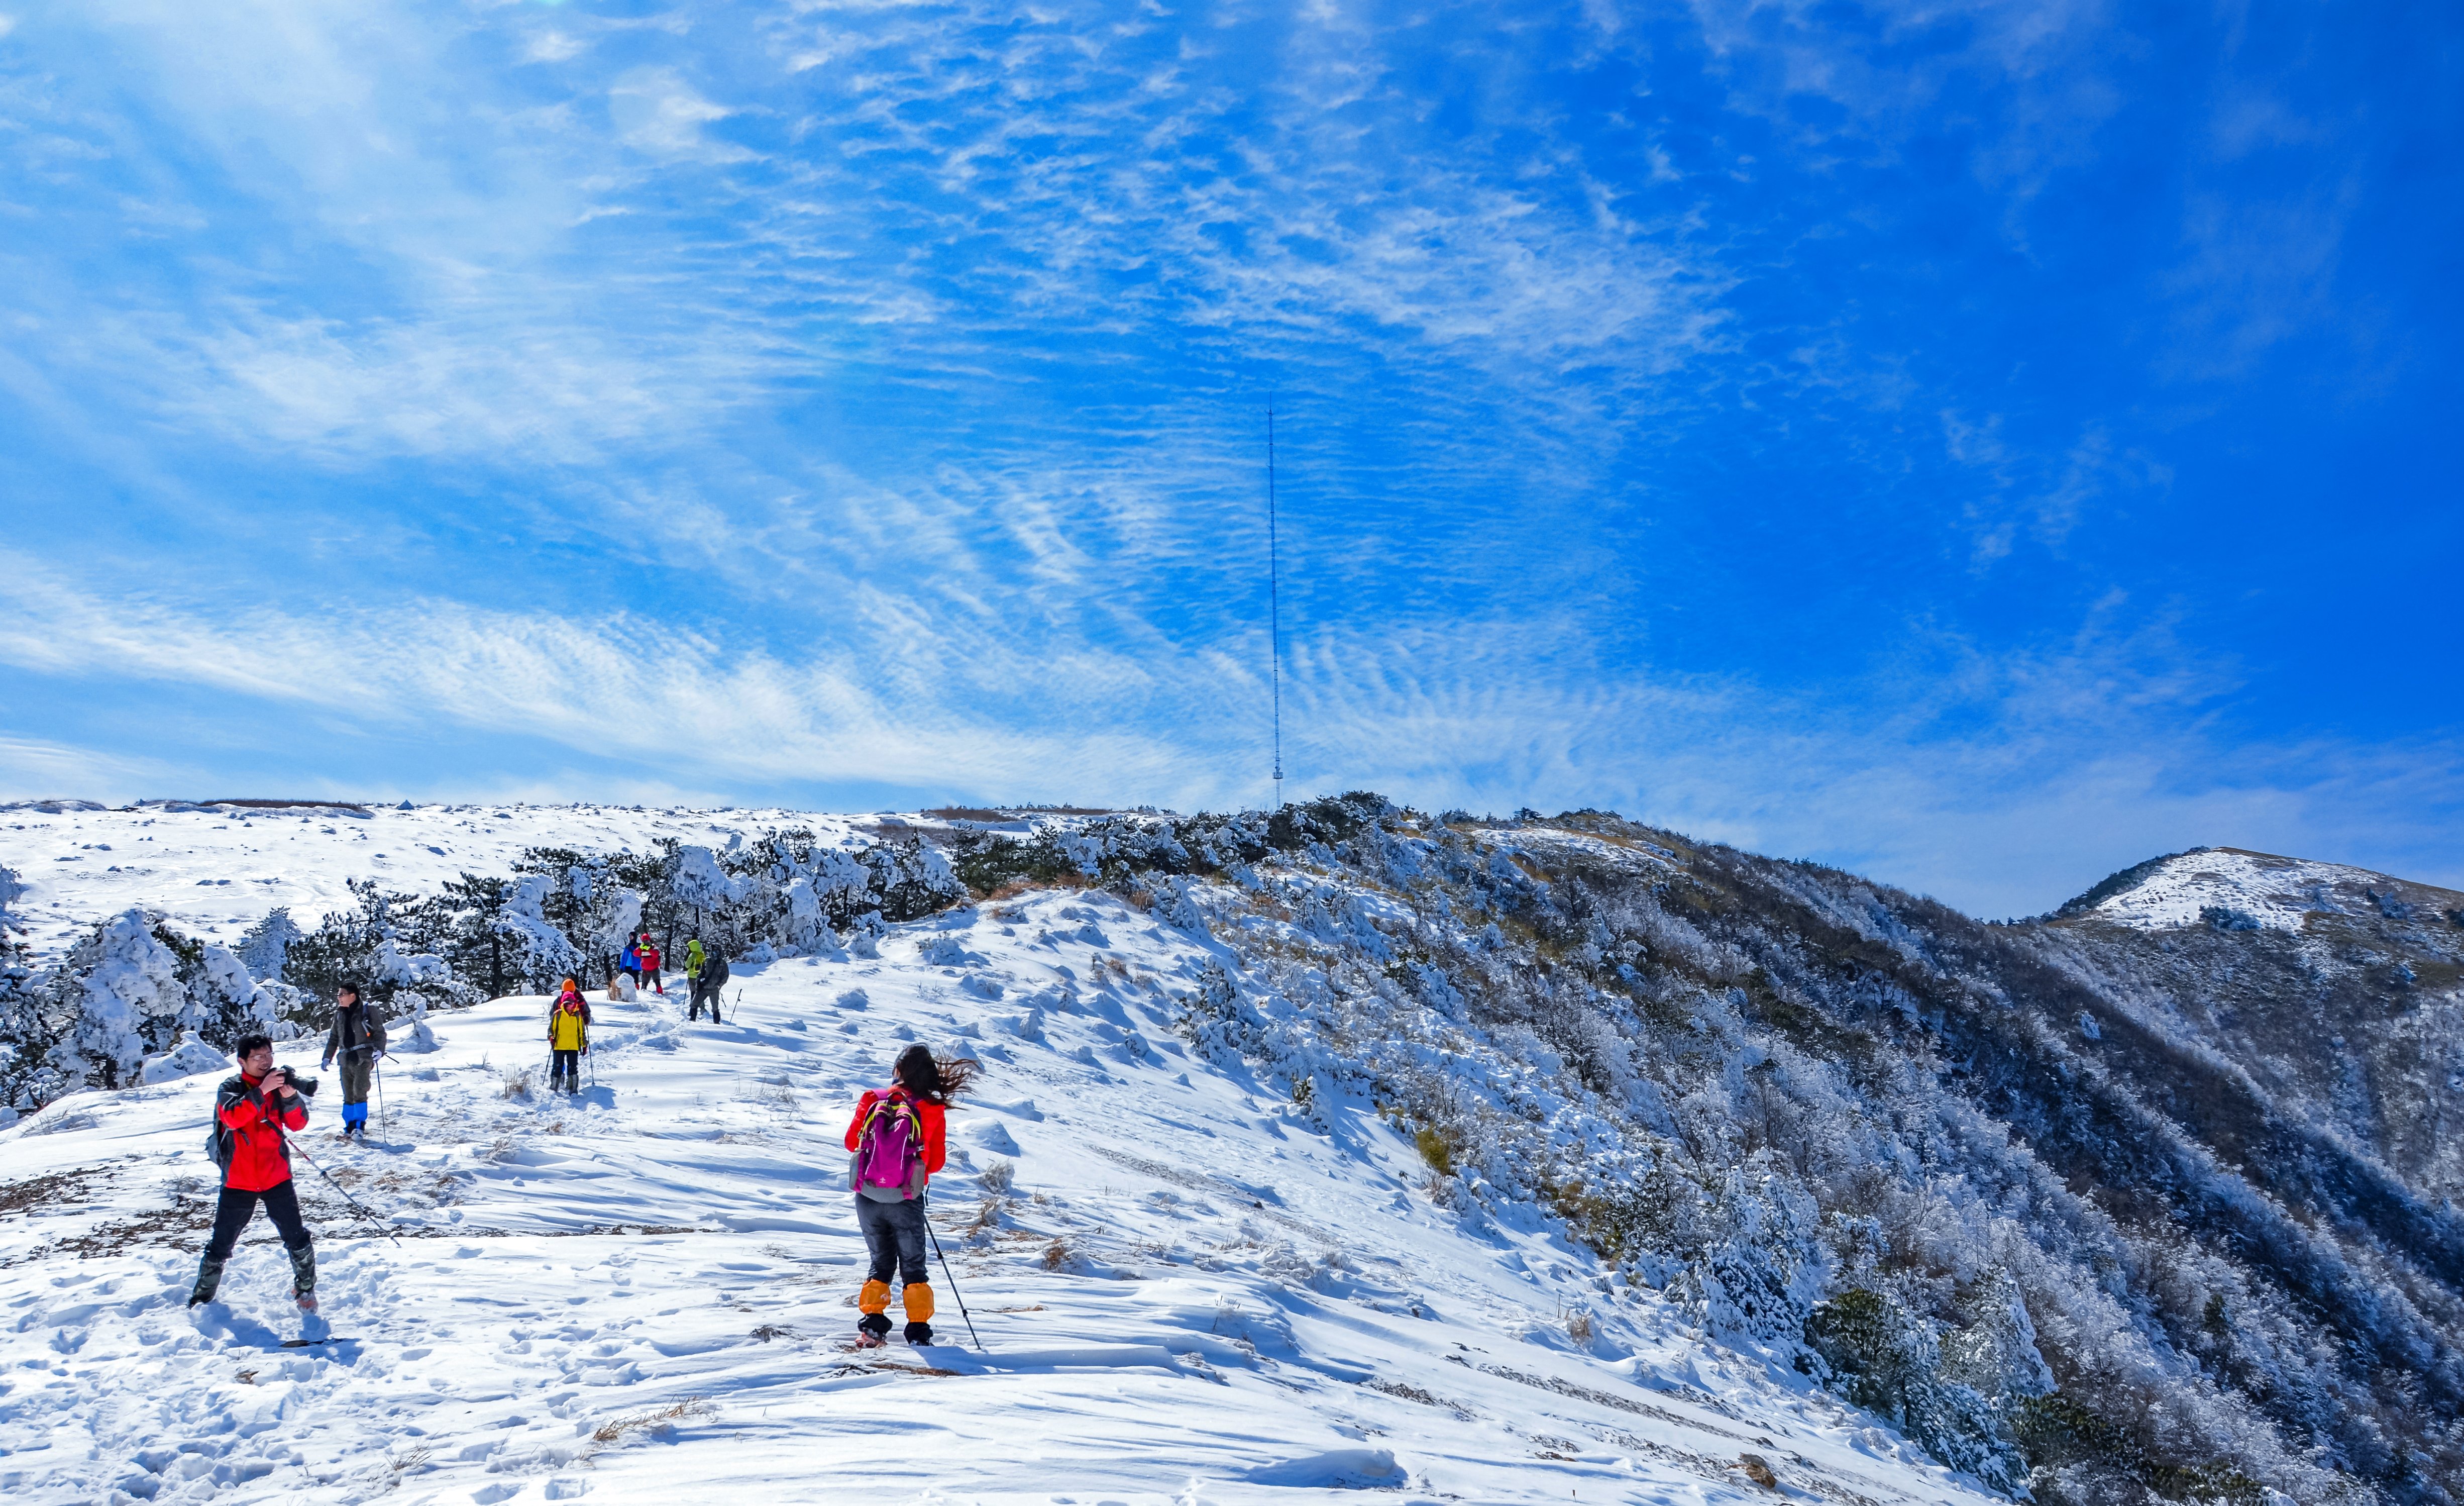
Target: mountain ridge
{"points": [[1837, 1124]]}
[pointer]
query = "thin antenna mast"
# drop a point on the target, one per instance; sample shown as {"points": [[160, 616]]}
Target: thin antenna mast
{"points": [[1274, 607]]}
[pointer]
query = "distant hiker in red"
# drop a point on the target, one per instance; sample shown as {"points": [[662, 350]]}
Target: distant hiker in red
{"points": [[568, 1038], [899, 1141], [251, 1112], [650, 965]]}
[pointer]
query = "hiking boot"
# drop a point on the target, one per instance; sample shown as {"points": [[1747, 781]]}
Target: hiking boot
{"points": [[919, 1333], [875, 1325], [210, 1280], [303, 1277]]}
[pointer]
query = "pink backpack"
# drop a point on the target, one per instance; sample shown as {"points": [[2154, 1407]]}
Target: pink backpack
{"points": [[888, 1165]]}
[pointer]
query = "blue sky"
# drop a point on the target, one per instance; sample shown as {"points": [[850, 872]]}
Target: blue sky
{"points": [[1978, 444]]}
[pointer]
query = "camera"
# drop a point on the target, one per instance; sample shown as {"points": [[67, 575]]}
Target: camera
{"points": [[301, 1080]]}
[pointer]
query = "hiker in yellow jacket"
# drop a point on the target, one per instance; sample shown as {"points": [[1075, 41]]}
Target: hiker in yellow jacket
{"points": [[569, 1038]]}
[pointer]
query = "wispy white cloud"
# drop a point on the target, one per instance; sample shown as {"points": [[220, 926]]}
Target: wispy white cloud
{"points": [[1999, 782], [655, 111], [36, 769]]}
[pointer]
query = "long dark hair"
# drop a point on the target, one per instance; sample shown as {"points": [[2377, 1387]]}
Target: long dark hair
{"points": [[935, 1079]]}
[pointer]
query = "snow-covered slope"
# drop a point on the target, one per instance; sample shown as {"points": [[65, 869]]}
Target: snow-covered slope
{"points": [[1192, 1291], [2238, 890], [216, 869]]}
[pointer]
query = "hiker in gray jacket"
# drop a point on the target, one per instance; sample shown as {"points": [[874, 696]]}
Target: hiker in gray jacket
{"points": [[356, 1039]]}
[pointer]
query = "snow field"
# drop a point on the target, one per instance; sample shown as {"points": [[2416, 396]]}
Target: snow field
{"points": [[1190, 1291], [216, 870]]}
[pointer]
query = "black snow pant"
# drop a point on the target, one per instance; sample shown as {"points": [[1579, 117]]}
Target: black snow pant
{"points": [[704, 994], [565, 1072], [893, 1232], [236, 1207]]}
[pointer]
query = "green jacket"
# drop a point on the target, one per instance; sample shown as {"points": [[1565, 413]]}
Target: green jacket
{"points": [[693, 954]]}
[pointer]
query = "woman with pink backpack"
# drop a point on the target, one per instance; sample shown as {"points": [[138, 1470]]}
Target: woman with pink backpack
{"points": [[899, 1140]]}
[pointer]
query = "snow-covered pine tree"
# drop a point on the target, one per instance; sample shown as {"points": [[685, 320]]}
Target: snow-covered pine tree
{"points": [[263, 946], [537, 952], [119, 998]]}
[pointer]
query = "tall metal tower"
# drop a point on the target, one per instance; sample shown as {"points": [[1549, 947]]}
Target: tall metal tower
{"points": [[1274, 607]]}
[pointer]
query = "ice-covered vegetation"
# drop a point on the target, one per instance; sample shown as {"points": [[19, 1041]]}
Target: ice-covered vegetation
{"points": [[2083, 1205]]}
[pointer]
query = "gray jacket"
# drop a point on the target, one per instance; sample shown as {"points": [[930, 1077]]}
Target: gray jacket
{"points": [[357, 1034]]}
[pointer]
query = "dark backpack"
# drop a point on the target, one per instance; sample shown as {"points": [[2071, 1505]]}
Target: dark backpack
{"points": [[713, 972], [218, 1137]]}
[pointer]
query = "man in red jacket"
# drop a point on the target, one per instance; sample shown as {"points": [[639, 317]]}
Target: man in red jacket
{"points": [[251, 1110]]}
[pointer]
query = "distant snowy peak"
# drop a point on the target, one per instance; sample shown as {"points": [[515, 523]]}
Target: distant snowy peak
{"points": [[2233, 890]]}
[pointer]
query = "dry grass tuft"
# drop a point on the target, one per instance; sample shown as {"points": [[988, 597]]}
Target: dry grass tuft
{"points": [[411, 1460], [690, 1407], [1056, 1254]]}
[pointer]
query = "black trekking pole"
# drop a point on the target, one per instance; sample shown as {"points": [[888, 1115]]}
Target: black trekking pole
{"points": [[953, 1284], [382, 1228], [384, 1121]]}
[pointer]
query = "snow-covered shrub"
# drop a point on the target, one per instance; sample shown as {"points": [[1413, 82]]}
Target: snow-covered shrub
{"points": [[1177, 905], [911, 880]]}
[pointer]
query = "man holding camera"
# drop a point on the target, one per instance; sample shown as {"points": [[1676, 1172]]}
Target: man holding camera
{"points": [[356, 1037], [251, 1110]]}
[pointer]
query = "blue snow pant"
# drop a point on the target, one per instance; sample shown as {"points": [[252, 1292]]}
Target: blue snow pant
{"points": [[356, 1069]]}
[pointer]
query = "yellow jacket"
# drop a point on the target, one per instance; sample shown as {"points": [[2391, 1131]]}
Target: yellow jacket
{"points": [[569, 1029]]}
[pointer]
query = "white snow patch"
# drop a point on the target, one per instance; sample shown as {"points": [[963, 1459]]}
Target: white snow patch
{"points": [[2277, 893]]}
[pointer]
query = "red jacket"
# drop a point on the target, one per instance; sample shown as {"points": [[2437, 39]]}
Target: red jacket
{"points": [[650, 957], [259, 1159], [936, 1145]]}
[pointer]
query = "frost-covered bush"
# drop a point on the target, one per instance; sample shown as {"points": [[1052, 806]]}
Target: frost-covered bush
{"points": [[1760, 1269], [1881, 1356]]}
